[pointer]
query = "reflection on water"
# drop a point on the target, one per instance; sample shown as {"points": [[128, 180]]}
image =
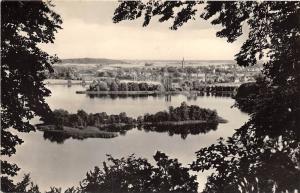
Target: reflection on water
{"points": [[182, 130], [114, 96], [65, 164], [168, 97], [111, 132], [59, 137], [55, 136]]}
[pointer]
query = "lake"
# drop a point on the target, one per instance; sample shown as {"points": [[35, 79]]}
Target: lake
{"points": [[64, 165]]}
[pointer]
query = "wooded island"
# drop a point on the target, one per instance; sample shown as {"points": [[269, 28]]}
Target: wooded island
{"points": [[86, 125]]}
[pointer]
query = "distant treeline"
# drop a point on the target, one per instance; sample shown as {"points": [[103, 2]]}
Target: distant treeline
{"points": [[115, 85], [81, 119], [64, 72], [92, 61]]}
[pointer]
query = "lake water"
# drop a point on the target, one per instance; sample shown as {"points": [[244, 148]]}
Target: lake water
{"points": [[64, 165]]}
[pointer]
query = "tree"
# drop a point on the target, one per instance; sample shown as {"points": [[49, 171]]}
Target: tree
{"points": [[24, 25], [143, 86], [246, 95], [184, 111], [266, 148], [123, 117], [140, 119], [135, 86], [102, 86], [114, 86], [196, 85], [25, 185], [159, 88], [123, 87], [82, 117], [60, 118], [138, 175], [73, 120], [54, 190]]}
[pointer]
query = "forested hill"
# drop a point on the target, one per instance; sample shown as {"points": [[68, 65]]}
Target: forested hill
{"points": [[91, 61]]}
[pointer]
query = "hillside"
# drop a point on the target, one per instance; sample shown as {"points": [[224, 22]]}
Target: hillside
{"points": [[91, 61]]}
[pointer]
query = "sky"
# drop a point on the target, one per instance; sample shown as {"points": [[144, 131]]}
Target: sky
{"points": [[88, 31]]}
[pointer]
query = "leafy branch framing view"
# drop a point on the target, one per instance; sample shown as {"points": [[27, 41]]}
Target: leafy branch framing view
{"points": [[261, 156]]}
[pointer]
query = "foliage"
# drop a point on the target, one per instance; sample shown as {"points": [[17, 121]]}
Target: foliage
{"points": [[81, 119], [183, 113], [63, 72], [24, 25], [54, 190], [123, 87], [122, 123], [113, 85], [264, 153], [248, 94], [25, 185], [129, 174], [138, 175]]}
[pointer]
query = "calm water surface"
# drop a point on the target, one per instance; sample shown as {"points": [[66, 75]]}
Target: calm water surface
{"points": [[64, 165]]}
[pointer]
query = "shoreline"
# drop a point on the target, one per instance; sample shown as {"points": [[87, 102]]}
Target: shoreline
{"points": [[96, 131], [146, 92], [88, 132], [120, 92], [189, 122], [66, 82]]}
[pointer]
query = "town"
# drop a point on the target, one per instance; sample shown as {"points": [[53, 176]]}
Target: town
{"points": [[177, 76]]}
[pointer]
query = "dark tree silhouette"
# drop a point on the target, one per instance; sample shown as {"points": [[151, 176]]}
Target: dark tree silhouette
{"points": [[25, 185], [130, 174], [263, 155], [247, 94], [24, 25], [138, 175]]}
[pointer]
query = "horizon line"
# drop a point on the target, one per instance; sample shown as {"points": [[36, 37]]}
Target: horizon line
{"points": [[148, 59]]}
